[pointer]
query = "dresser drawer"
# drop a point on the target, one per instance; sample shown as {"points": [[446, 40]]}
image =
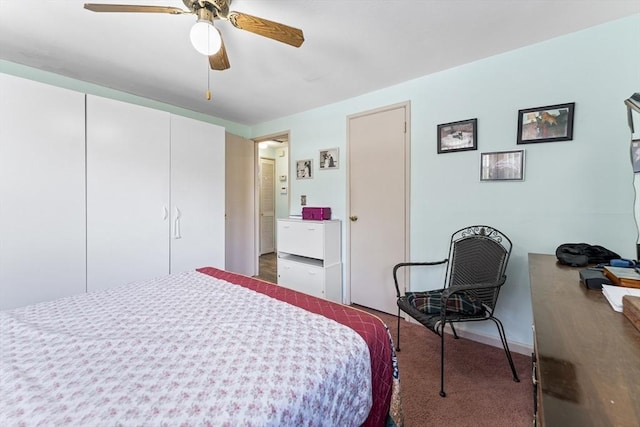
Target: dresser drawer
{"points": [[303, 238], [302, 277]]}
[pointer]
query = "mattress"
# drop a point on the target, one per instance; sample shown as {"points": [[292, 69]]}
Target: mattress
{"points": [[204, 347]]}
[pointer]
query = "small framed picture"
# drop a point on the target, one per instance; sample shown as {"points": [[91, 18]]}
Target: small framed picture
{"points": [[635, 155], [304, 169], [502, 166], [546, 124], [328, 158], [458, 136]]}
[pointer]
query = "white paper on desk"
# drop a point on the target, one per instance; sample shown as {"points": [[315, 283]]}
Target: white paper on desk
{"points": [[614, 295]]}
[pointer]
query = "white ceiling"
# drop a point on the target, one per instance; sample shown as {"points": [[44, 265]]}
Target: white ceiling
{"points": [[351, 46]]}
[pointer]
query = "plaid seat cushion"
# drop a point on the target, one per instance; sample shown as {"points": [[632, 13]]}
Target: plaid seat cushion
{"points": [[430, 302]]}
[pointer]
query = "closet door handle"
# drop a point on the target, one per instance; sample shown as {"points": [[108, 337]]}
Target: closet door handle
{"points": [[165, 213], [176, 225]]}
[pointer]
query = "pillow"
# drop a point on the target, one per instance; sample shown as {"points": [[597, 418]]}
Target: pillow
{"points": [[430, 302]]}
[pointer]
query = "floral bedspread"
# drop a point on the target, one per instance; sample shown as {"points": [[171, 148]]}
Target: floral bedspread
{"points": [[187, 349], [386, 409]]}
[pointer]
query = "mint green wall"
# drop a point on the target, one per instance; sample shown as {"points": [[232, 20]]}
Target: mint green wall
{"points": [[574, 191], [85, 87], [282, 168]]}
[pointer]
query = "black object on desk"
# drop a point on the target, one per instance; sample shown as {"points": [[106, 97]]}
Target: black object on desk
{"points": [[593, 278]]}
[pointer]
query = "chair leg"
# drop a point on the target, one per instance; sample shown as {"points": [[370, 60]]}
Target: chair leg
{"points": [[455, 334], [505, 345], [398, 340], [442, 393]]}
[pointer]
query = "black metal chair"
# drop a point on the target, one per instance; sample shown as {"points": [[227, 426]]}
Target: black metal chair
{"points": [[478, 257]]}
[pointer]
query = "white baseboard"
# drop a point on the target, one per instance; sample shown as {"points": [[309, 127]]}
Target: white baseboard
{"points": [[493, 341], [515, 347]]}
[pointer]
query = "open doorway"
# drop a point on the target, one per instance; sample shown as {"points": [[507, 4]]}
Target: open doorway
{"points": [[272, 199]]}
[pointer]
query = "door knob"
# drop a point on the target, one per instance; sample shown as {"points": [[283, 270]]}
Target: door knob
{"points": [[353, 218]]}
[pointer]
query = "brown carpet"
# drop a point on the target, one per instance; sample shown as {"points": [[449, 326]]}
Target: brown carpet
{"points": [[478, 381]]}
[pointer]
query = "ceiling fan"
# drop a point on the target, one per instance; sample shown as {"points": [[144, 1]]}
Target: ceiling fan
{"points": [[204, 36]]}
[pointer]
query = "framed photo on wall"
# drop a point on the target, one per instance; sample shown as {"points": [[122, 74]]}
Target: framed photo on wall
{"points": [[502, 166], [458, 136], [546, 124], [304, 169], [328, 158]]}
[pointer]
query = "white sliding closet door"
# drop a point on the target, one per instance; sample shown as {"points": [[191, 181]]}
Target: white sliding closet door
{"points": [[197, 194], [42, 187], [127, 193]]}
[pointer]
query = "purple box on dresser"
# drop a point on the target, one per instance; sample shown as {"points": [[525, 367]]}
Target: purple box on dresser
{"points": [[318, 214]]}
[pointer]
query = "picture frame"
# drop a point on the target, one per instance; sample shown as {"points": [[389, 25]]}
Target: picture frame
{"points": [[635, 155], [304, 169], [502, 166], [329, 159], [546, 124], [458, 136]]}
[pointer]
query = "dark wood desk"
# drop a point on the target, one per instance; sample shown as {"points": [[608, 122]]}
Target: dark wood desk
{"points": [[588, 355]]}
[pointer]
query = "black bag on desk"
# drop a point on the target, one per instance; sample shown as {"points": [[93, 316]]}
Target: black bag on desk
{"points": [[581, 254]]}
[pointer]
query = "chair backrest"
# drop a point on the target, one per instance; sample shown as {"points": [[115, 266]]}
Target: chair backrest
{"points": [[478, 254]]}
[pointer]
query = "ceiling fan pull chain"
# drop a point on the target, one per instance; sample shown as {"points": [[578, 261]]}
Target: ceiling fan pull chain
{"points": [[208, 94]]}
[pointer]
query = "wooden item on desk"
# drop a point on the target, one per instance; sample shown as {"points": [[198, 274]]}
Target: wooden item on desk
{"points": [[631, 309], [622, 276]]}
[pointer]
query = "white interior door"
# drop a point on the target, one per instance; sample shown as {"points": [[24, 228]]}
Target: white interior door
{"points": [[378, 150], [127, 193], [267, 205], [240, 205], [197, 194], [42, 192]]}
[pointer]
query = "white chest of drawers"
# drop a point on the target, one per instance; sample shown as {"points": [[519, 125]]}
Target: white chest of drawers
{"points": [[309, 257]]}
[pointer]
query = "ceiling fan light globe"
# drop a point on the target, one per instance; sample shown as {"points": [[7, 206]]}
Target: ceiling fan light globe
{"points": [[205, 38]]}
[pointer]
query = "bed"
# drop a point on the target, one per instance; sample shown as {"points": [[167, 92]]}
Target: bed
{"points": [[205, 347]]}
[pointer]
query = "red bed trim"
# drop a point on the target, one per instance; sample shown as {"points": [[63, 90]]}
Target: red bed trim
{"points": [[369, 327]]}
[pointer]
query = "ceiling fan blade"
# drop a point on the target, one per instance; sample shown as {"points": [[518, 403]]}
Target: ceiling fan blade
{"points": [[97, 7], [273, 30], [219, 60]]}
